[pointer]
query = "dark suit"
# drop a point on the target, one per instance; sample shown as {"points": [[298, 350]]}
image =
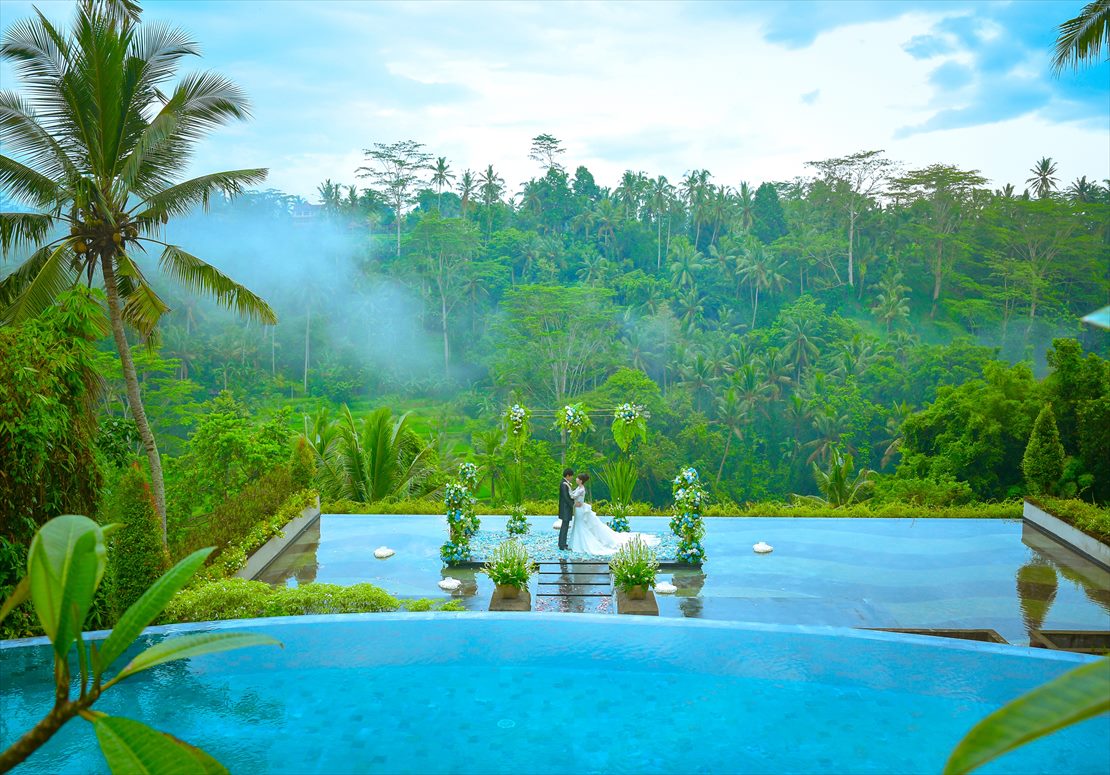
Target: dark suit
{"points": [[566, 512]]}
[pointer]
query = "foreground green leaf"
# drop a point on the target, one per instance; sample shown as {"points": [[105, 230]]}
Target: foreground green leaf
{"points": [[1075, 696], [66, 562], [185, 646], [144, 610], [21, 592], [132, 747]]}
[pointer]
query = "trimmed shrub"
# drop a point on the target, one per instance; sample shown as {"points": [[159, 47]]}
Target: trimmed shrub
{"points": [[303, 466], [136, 557], [1043, 463], [241, 599], [231, 520]]}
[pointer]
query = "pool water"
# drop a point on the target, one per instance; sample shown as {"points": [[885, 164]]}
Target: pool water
{"points": [[548, 693], [905, 573]]}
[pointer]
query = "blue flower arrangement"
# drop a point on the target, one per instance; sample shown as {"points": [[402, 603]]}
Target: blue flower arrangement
{"points": [[689, 497], [518, 523], [462, 522]]}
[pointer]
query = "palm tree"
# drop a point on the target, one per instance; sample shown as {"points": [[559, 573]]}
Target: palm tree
{"points": [[441, 176], [762, 271], [890, 302], [105, 137], [372, 459], [487, 450], [660, 202], [468, 186], [685, 263], [1083, 191], [491, 186], [745, 202], [1085, 39], [801, 344], [838, 485], [1043, 177], [731, 413]]}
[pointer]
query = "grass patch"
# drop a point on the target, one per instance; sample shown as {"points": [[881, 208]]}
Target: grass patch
{"points": [[1092, 520]]}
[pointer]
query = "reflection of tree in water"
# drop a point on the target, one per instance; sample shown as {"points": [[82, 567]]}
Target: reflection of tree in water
{"points": [[689, 584], [1100, 596], [308, 562], [1036, 588]]}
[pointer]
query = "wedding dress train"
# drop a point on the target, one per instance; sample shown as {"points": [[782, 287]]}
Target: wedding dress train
{"points": [[589, 535]]}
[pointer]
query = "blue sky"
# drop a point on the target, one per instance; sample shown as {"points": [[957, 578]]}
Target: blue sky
{"points": [[750, 91]]}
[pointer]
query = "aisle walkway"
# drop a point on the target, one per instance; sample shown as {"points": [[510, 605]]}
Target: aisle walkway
{"points": [[575, 586]]}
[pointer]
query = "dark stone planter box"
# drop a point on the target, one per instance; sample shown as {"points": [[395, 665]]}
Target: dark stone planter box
{"points": [[1080, 641], [522, 601], [983, 636], [646, 607]]}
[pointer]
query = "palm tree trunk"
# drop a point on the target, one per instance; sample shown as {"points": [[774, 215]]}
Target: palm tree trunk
{"points": [[307, 331], [724, 457], [658, 244], [134, 399], [446, 345], [851, 255]]}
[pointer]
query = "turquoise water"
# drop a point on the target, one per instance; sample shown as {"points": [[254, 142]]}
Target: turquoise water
{"points": [[488, 693], [905, 573]]}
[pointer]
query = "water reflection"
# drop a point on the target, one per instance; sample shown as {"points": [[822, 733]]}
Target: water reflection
{"points": [[689, 584], [298, 563], [1036, 588]]}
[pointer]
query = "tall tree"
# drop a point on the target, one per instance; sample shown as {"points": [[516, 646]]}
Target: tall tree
{"points": [[859, 177], [441, 176], [444, 247], [491, 186], [99, 147], [546, 149], [942, 196], [468, 186], [399, 171]]}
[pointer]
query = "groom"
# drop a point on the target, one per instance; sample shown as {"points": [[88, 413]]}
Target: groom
{"points": [[566, 506]]}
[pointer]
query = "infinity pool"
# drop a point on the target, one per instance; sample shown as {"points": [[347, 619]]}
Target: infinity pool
{"points": [[905, 573], [548, 693]]}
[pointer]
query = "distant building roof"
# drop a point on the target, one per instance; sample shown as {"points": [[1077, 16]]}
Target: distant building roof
{"points": [[305, 211]]}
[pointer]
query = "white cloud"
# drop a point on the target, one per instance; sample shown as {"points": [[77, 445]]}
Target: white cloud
{"points": [[650, 86]]}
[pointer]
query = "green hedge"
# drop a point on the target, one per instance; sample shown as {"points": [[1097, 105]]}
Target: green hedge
{"points": [[136, 557], [1003, 510], [241, 599], [1092, 520], [236, 516]]}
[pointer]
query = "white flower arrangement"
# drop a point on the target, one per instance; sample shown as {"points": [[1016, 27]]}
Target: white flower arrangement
{"points": [[574, 419]]}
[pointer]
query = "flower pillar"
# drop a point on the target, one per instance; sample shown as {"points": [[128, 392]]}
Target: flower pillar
{"points": [[629, 424], [462, 521], [689, 496]]}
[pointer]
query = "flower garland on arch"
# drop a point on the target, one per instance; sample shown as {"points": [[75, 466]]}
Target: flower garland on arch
{"points": [[689, 497], [574, 419], [517, 428], [629, 424]]}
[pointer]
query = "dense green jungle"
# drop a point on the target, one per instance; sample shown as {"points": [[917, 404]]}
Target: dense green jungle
{"points": [[907, 322]]}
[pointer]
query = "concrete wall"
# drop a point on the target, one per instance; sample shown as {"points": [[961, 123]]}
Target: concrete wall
{"points": [[258, 561], [1061, 531]]}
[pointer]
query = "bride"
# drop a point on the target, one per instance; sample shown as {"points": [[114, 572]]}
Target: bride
{"points": [[589, 535]]}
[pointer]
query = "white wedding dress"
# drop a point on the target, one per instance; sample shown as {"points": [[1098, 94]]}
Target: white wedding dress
{"points": [[589, 535]]}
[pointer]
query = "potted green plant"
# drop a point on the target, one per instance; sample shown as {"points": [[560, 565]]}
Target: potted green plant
{"points": [[634, 567], [509, 567]]}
